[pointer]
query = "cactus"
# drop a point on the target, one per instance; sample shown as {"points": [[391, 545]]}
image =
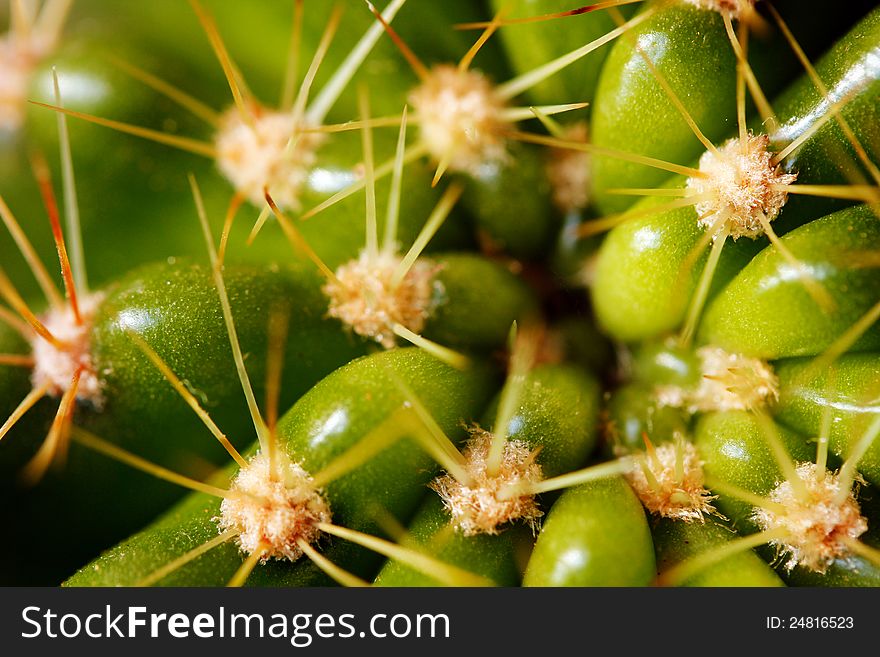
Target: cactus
{"points": [[476, 298]]}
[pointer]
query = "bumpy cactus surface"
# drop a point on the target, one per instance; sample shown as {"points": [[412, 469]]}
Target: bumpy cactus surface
{"points": [[440, 293]]}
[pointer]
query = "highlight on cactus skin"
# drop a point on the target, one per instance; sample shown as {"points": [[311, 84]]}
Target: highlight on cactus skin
{"points": [[541, 311]]}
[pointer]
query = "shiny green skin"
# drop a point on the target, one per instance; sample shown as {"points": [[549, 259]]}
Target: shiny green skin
{"points": [[849, 389], [676, 541], [333, 416], [176, 309], [479, 301], [665, 362], [734, 449], [689, 47], [766, 311], [642, 285], [174, 306], [849, 71], [492, 557], [849, 571], [511, 204], [558, 412], [632, 411], [641, 289], [601, 530], [532, 45]]}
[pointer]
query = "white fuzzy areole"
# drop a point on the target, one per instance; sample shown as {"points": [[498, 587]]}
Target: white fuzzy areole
{"points": [[678, 490], [58, 366], [740, 184], [733, 7], [569, 171], [364, 298], [479, 508], [460, 118], [816, 528], [729, 382], [259, 154], [275, 512]]}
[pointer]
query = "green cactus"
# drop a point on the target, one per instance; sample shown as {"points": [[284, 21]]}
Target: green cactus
{"points": [[497, 293]]}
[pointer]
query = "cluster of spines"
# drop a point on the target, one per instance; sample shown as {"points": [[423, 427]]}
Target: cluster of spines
{"points": [[722, 215]]}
